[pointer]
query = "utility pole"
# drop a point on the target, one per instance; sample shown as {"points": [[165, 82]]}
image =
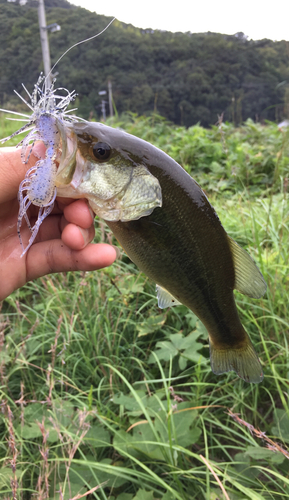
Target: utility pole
{"points": [[103, 110], [110, 98], [44, 37], [44, 41], [103, 102]]}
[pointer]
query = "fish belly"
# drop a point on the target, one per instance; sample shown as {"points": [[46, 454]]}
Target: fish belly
{"points": [[193, 263]]}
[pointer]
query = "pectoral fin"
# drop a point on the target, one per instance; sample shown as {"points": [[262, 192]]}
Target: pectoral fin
{"points": [[165, 299], [248, 278]]}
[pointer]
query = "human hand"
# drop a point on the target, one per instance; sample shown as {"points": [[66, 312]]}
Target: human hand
{"points": [[64, 239]]}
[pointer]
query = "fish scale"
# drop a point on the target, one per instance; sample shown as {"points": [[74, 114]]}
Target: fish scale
{"points": [[173, 248]]}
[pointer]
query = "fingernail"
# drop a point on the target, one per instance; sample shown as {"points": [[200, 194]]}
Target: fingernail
{"points": [[91, 212], [85, 235], [39, 150], [118, 252]]}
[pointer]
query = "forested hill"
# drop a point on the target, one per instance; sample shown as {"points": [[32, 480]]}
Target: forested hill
{"points": [[184, 77]]}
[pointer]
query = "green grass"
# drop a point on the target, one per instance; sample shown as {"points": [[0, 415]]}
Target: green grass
{"points": [[100, 389]]}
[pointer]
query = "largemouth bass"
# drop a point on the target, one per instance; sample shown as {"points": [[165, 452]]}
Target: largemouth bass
{"points": [[166, 225]]}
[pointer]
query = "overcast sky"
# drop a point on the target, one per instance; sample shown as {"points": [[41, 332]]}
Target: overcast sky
{"points": [[257, 19]]}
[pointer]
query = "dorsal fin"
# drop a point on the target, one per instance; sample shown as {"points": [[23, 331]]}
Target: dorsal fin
{"points": [[165, 299], [248, 278]]}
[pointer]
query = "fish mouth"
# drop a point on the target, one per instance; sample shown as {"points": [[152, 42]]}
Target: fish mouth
{"points": [[66, 155], [118, 189]]}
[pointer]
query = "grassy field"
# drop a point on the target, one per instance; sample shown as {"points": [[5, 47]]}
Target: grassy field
{"points": [[105, 396]]}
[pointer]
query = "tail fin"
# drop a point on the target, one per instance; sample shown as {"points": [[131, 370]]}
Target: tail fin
{"points": [[244, 361]]}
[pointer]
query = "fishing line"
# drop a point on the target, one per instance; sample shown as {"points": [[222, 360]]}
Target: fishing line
{"points": [[27, 117], [79, 43]]}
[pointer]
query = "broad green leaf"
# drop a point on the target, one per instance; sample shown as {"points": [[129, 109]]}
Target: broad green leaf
{"points": [[186, 430], [165, 350], [178, 345], [77, 472], [179, 341], [129, 401], [142, 438], [6, 475], [168, 496], [140, 441], [181, 426], [191, 319], [72, 489], [33, 345], [111, 479], [281, 427], [129, 284], [259, 453], [33, 412], [144, 495], [183, 363], [97, 436], [192, 353], [39, 307], [137, 287], [151, 324], [64, 412], [131, 404], [53, 436], [215, 494], [30, 431], [201, 330], [123, 441], [243, 466]]}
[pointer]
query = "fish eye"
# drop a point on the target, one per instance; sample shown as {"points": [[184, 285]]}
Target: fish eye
{"points": [[101, 151]]}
